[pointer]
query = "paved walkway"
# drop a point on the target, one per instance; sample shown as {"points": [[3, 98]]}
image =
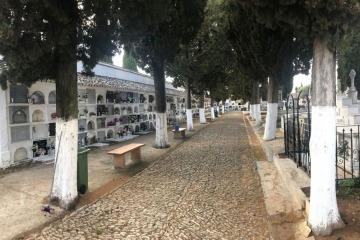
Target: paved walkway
{"points": [[207, 188]]}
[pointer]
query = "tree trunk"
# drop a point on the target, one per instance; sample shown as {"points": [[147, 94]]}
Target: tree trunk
{"points": [[160, 96], [324, 214], [272, 109], [189, 117], [202, 118], [64, 189]]}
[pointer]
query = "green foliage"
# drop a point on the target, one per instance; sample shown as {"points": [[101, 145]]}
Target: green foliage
{"points": [[129, 62], [304, 91], [107, 59], [349, 58], [349, 187], [34, 34], [154, 32], [330, 18], [202, 61], [263, 51]]}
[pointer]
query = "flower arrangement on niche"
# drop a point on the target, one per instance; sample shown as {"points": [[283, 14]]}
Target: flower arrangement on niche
{"points": [[110, 123]]}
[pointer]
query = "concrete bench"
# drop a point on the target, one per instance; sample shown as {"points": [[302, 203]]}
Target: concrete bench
{"points": [[119, 154], [179, 134], [208, 119]]}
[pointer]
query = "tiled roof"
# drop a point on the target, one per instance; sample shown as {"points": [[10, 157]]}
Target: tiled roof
{"points": [[115, 83]]}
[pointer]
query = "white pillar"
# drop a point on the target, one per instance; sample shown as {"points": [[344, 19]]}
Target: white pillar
{"points": [[4, 136]]}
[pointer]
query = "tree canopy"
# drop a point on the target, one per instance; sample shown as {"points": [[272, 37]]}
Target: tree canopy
{"points": [[153, 34], [31, 37]]}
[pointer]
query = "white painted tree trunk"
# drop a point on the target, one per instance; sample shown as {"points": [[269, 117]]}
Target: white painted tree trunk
{"points": [[162, 140], [4, 145], [202, 118], [257, 114], [324, 215], [189, 120], [252, 111], [271, 119], [64, 189], [218, 110], [223, 109], [212, 112]]}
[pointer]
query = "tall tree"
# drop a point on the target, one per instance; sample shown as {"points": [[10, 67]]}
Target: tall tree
{"points": [[320, 22], [43, 40], [129, 62], [154, 32], [207, 52], [267, 48]]}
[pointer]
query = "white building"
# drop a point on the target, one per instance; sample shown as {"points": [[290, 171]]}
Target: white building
{"points": [[114, 100]]}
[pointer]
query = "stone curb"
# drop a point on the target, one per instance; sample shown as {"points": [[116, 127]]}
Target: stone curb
{"points": [[293, 177]]}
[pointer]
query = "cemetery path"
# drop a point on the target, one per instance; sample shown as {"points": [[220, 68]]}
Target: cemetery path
{"points": [[207, 188]]}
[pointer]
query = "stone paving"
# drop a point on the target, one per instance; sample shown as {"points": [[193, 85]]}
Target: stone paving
{"points": [[207, 188]]}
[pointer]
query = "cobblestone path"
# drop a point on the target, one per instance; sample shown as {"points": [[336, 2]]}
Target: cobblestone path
{"points": [[207, 188]]}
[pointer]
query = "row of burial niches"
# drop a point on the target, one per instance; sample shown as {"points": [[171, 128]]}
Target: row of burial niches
{"points": [[90, 96], [19, 94]]}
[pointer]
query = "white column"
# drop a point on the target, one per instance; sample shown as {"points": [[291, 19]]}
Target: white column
{"points": [[4, 136]]}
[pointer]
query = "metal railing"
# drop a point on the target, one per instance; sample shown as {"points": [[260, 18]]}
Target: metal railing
{"points": [[297, 132], [347, 153]]}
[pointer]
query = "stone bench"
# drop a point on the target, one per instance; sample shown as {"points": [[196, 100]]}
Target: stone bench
{"points": [[208, 119], [119, 154], [179, 134]]}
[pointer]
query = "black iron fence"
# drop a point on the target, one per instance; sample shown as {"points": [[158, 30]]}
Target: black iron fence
{"points": [[297, 132], [347, 153]]}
